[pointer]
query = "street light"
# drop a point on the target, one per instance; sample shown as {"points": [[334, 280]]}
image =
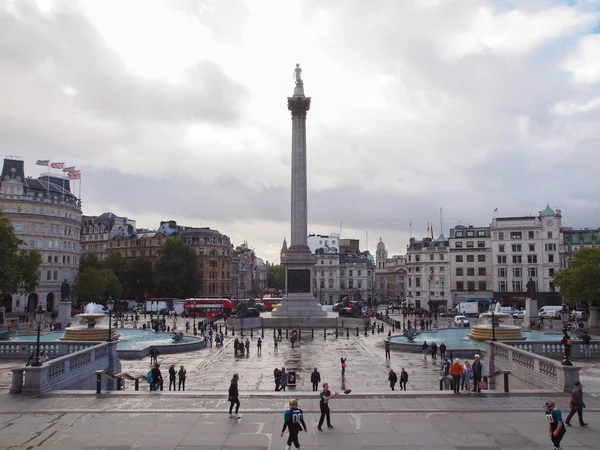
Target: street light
{"points": [[110, 304], [39, 318], [564, 314]]}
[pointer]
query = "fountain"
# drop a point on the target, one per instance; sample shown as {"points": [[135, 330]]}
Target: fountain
{"points": [[91, 331], [502, 331]]}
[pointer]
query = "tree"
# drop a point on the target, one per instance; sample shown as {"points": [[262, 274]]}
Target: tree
{"points": [[18, 268], [118, 265], [276, 276], [581, 282], [139, 277], [175, 269], [90, 284], [88, 259], [112, 285]]}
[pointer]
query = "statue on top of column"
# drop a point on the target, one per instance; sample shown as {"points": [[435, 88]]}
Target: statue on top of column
{"points": [[65, 290], [531, 289], [298, 76]]}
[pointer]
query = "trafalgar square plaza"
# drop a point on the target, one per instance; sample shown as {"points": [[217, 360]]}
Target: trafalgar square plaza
{"points": [[395, 379]]}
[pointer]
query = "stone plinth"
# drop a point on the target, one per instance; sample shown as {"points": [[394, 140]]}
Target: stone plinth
{"points": [[531, 310], [64, 312], [593, 320]]}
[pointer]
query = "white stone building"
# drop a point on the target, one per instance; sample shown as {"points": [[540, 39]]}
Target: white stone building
{"points": [[390, 276], [471, 264], [523, 248], [326, 279], [96, 231], [428, 274], [329, 244]]}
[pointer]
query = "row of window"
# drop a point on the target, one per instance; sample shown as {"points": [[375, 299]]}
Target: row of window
{"points": [[351, 284], [470, 258], [517, 248], [54, 244], [66, 259], [441, 280], [41, 211], [516, 235], [469, 244], [471, 271], [432, 293], [481, 285], [469, 233], [517, 272], [39, 228], [431, 257], [518, 259], [53, 275]]}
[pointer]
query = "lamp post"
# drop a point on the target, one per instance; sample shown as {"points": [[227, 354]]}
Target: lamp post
{"points": [[39, 318], [493, 322], [564, 314], [110, 304], [195, 332]]}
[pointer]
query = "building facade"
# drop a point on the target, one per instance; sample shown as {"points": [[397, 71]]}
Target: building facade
{"points": [[47, 217], [574, 239], [329, 244], [326, 279], [97, 231], [526, 248], [471, 264], [390, 276]]}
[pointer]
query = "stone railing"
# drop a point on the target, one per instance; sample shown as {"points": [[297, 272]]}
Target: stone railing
{"points": [[555, 349], [75, 371], [528, 369], [53, 349]]}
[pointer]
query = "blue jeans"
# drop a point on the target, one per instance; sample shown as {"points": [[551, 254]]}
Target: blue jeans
{"points": [[587, 351]]}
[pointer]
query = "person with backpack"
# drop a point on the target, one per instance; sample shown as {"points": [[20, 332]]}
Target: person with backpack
{"points": [[392, 378], [234, 396], [155, 378], [293, 419]]}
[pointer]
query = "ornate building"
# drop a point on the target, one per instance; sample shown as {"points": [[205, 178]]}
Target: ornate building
{"points": [[390, 276], [96, 231], [47, 217]]}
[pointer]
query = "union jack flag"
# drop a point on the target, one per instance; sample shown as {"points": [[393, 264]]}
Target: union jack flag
{"points": [[57, 165], [42, 162], [69, 169], [75, 175]]}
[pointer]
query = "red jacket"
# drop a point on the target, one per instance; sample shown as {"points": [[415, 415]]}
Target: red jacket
{"points": [[456, 368]]}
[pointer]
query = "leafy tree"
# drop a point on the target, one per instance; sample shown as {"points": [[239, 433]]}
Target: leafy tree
{"points": [[118, 265], [90, 284], [176, 271], [112, 285], [88, 259], [18, 268], [276, 276], [581, 282], [139, 277]]}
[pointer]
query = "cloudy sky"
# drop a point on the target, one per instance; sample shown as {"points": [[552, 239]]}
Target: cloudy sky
{"points": [[177, 110]]}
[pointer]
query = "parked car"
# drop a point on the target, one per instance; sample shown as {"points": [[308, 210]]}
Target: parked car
{"points": [[461, 321], [519, 315], [550, 312], [368, 313]]}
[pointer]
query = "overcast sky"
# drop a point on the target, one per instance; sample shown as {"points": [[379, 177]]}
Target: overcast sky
{"points": [[177, 110]]}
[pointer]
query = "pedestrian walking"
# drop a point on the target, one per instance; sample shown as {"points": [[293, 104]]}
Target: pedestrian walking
{"points": [[387, 349], [234, 396], [181, 374], [247, 346], [284, 379], [293, 420], [456, 371], [343, 363], [403, 379], [442, 351], [577, 405], [172, 374], [425, 347], [157, 379], [277, 378], [477, 368], [392, 378], [556, 426], [259, 345], [434, 350], [468, 374], [325, 395], [274, 345], [587, 348], [315, 379]]}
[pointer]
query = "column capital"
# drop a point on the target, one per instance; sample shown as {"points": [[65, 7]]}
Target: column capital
{"points": [[299, 106]]}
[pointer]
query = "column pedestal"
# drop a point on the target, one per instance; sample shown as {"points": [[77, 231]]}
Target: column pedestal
{"points": [[64, 312], [531, 313], [593, 320]]}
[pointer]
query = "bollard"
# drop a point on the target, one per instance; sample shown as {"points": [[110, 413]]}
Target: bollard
{"points": [[120, 383], [506, 387], [242, 332], [299, 334], [366, 332], [324, 333], [232, 330], [393, 329], [312, 333], [225, 330], [220, 328], [251, 332], [336, 332], [357, 331], [99, 381], [137, 384], [262, 333], [286, 333], [441, 383], [347, 332]]}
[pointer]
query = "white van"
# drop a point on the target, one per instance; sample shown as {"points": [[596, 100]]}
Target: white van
{"points": [[550, 312], [509, 310]]}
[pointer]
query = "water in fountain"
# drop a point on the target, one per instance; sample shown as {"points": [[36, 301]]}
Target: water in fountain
{"points": [[504, 330]]}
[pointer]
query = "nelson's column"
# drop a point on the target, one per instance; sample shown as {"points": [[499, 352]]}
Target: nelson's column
{"points": [[299, 302]]}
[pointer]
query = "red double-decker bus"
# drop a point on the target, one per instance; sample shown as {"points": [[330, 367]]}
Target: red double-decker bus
{"points": [[271, 302], [207, 307]]}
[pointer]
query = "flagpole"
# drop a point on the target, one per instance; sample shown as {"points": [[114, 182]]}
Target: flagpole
{"points": [[80, 188], [48, 178]]}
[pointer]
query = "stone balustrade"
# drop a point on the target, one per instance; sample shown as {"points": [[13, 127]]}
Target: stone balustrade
{"points": [[53, 349], [529, 369], [74, 371], [555, 349]]}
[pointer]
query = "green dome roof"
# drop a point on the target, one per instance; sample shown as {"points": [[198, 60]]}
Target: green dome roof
{"points": [[442, 238], [548, 211]]}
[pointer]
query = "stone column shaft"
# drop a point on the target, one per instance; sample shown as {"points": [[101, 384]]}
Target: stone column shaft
{"points": [[299, 190]]}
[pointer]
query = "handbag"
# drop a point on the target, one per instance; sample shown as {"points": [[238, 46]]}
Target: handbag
{"points": [[482, 385], [344, 365]]}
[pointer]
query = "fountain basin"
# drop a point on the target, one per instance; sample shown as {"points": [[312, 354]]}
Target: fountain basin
{"points": [[86, 333], [502, 332]]}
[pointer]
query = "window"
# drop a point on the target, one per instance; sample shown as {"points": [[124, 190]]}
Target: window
{"points": [[532, 272], [481, 258], [471, 286], [49, 258], [417, 269], [517, 286], [409, 283], [342, 284], [549, 234], [517, 259], [471, 271], [502, 272], [459, 258], [322, 262], [431, 270], [517, 272], [501, 248], [55, 275], [56, 259], [442, 293], [50, 243], [330, 283], [458, 244], [470, 244], [18, 227], [501, 259], [441, 256], [442, 269], [459, 271], [460, 286], [550, 258], [470, 233], [532, 259], [481, 271], [480, 232], [551, 272], [470, 258], [417, 282], [431, 256], [482, 285], [515, 235], [359, 284], [418, 294], [502, 286], [531, 235], [516, 248], [49, 275], [459, 234], [417, 258], [550, 247], [481, 244], [501, 235], [64, 259], [359, 273], [350, 272], [322, 273]]}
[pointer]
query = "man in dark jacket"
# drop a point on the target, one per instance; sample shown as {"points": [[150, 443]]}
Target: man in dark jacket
{"points": [[392, 378], [442, 351], [157, 379], [586, 341], [315, 379], [577, 405], [477, 368], [403, 379], [277, 377], [234, 396]]}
